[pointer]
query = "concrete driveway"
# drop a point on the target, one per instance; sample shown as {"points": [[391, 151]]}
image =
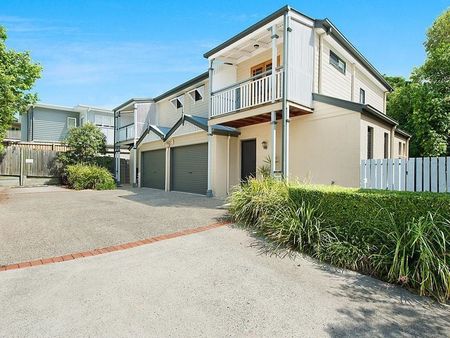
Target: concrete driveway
{"points": [[49, 221], [211, 284]]}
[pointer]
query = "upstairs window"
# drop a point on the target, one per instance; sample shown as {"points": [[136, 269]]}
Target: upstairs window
{"points": [[362, 96], [369, 143], [178, 102], [197, 94], [71, 122], [337, 62]]}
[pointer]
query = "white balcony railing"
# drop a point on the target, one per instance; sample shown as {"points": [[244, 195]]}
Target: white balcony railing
{"points": [[126, 133], [249, 93]]}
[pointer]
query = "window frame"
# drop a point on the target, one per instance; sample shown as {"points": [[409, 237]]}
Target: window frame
{"points": [[192, 94], [362, 94], [69, 118], [370, 132], [386, 145], [334, 61]]}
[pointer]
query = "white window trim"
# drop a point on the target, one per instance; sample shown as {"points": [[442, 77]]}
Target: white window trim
{"points": [[178, 98], [343, 71], [71, 119], [201, 92]]}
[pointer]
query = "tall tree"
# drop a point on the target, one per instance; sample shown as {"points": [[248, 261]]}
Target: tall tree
{"points": [[18, 74], [422, 104]]}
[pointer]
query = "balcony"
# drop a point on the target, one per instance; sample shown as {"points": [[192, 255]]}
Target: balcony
{"points": [[126, 133], [253, 92]]}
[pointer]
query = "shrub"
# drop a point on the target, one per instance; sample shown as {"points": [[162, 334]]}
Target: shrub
{"points": [[251, 203], [399, 237], [85, 143], [89, 177]]}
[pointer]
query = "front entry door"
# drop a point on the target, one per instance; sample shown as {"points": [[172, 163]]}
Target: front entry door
{"points": [[248, 159]]}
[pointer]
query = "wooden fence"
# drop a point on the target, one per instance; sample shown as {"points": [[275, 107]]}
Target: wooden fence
{"points": [[413, 174], [27, 162], [39, 146]]}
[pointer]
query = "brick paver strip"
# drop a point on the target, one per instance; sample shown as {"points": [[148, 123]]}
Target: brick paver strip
{"points": [[100, 251]]}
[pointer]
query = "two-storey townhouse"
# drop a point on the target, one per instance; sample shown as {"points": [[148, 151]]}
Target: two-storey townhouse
{"points": [[290, 90], [50, 123]]}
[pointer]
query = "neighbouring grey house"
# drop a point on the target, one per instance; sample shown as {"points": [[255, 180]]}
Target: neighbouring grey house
{"points": [[51, 123]]}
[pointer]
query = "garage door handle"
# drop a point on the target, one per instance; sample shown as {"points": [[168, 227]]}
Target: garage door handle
{"points": [[190, 172]]}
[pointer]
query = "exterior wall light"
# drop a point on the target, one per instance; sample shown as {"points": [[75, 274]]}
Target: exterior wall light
{"points": [[264, 144]]}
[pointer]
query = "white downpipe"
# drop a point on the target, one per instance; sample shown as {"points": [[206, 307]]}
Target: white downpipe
{"points": [[117, 147], [320, 66], [273, 114], [273, 122], [228, 166], [285, 107], [134, 146], [167, 183]]}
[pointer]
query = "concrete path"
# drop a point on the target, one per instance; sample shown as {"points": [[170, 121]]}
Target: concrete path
{"points": [[211, 284], [49, 221]]}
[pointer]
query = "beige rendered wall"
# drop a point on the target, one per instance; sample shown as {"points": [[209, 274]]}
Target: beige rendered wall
{"points": [[324, 146], [400, 146], [379, 129]]}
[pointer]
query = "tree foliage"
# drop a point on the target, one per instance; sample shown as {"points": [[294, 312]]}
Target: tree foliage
{"points": [[422, 104], [18, 74], [85, 143]]}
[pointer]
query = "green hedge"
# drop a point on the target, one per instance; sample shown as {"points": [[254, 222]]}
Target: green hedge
{"points": [[374, 208], [81, 177], [399, 237]]}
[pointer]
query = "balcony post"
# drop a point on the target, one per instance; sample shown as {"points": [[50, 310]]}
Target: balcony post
{"points": [[134, 146], [273, 114], [285, 107], [209, 192], [117, 146]]}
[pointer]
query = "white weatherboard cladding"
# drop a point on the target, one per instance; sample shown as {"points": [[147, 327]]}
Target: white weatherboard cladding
{"points": [[334, 83], [167, 115], [300, 64], [223, 76], [151, 137], [187, 128], [374, 95]]}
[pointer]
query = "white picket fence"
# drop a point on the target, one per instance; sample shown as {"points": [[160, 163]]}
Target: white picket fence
{"points": [[413, 174]]}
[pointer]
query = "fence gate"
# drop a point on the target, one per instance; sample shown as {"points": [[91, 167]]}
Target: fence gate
{"points": [[27, 162], [413, 174]]}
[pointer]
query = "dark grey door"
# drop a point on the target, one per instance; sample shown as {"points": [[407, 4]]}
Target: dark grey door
{"points": [[248, 159], [153, 169], [189, 168]]}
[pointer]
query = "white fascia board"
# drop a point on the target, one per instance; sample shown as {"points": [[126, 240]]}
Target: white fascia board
{"points": [[247, 37]]}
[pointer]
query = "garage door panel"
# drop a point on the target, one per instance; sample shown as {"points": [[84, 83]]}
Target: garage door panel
{"points": [[154, 169], [189, 168]]}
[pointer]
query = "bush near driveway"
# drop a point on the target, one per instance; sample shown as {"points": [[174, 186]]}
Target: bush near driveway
{"points": [[399, 237], [89, 177]]}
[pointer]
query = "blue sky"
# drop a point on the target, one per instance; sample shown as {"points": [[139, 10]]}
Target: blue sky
{"points": [[102, 52]]}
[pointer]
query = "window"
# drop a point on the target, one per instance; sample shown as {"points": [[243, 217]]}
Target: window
{"points": [[386, 145], [337, 62], [263, 67], [197, 94], [178, 102], [369, 143], [362, 96], [71, 122]]}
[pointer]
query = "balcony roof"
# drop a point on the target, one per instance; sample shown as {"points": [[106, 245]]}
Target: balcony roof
{"points": [[131, 101], [260, 24], [182, 86]]}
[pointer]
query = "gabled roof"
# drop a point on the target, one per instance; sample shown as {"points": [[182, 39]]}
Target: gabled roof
{"points": [[133, 100], [158, 130], [326, 24], [359, 107], [202, 123], [182, 86]]}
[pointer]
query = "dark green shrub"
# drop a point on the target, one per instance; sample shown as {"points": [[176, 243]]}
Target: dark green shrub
{"points": [[89, 177], [399, 237]]}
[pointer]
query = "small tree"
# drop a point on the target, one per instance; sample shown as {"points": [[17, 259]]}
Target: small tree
{"points": [[17, 76], [85, 144]]}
